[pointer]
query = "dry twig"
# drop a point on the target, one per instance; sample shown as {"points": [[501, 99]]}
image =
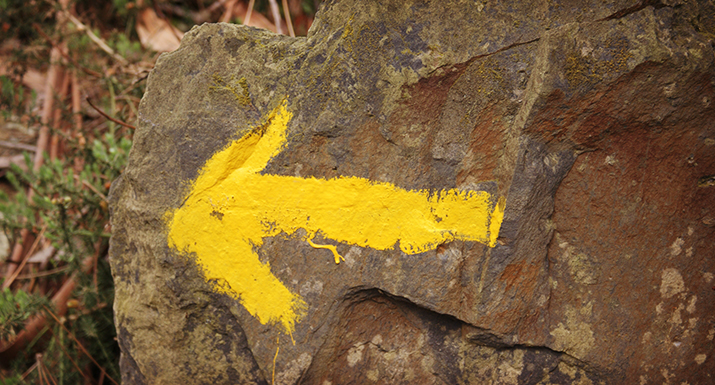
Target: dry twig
{"points": [[286, 13], [9, 281], [109, 117], [275, 11], [247, 20], [97, 40], [79, 345], [64, 54], [74, 363], [76, 104], [44, 273], [37, 324]]}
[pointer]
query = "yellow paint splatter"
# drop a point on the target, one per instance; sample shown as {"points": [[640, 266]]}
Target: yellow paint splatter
{"points": [[231, 208]]}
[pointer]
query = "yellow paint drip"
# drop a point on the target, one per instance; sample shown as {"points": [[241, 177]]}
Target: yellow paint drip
{"points": [[231, 208], [332, 248]]}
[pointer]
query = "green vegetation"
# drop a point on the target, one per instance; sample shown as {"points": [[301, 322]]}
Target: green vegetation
{"points": [[58, 60]]}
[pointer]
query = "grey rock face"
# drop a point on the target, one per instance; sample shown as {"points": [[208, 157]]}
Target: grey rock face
{"points": [[594, 120]]}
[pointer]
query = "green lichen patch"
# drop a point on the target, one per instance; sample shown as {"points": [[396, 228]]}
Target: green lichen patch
{"points": [[239, 88]]}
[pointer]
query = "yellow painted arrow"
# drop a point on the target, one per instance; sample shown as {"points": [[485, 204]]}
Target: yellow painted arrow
{"points": [[232, 207]]}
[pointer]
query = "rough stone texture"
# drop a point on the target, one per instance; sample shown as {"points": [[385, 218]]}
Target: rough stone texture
{"points": [[594, 119]]}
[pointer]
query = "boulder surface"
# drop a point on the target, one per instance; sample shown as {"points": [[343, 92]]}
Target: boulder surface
{"points": [[426, 192]]}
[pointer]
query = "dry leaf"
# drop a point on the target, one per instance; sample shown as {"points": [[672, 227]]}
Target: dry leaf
{"points": [[157, 34]]}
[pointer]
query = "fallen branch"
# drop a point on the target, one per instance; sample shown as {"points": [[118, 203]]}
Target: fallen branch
{"points": [[8, 350], [17, 146], [6, 161], [57, 117]]}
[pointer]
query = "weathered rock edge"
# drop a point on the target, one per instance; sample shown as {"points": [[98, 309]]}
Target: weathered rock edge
{"points": [[508, 98]]}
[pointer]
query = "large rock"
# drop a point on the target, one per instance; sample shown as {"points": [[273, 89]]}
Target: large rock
{"points": [[376, 135]]}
